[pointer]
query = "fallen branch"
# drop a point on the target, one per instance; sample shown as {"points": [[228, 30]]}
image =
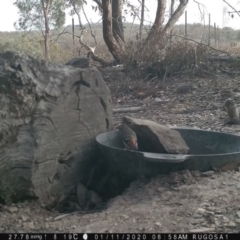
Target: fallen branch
{"points": [[129, 109]]}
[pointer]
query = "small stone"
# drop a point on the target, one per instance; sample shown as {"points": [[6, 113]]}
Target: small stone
{"points": [[13, 209], [27, 210], [238, 214], [31, 225], [205, 224], [43, 205], [218, 211], [197, 221], [223, 183], [209, 214], [158, 99], [161, 189], [224, 219], [28, 225], [208, 173], [237, 220], [205, 204], [25, 218], [60, 229], [74, 227], [158, 224], [231, 224], [46, 225], [18, 225], [211, 209], [216, 221], [2, 229], [201, 210]]}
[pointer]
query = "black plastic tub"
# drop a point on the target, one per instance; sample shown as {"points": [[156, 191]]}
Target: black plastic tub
{"points": [[208, 150]]}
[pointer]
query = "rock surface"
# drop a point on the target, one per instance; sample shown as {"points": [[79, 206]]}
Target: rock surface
{"points": [[157, 138]]}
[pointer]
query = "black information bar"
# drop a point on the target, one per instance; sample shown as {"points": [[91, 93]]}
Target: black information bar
{"points": [[120, 236]]}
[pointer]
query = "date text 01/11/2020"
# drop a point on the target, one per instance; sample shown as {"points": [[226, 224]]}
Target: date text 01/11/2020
{"points": [[142, 236]]}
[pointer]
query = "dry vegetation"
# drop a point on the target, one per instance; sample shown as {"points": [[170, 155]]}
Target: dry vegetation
{"points": [[62, 47]]}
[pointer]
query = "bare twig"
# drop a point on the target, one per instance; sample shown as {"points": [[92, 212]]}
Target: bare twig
{"points": [[90, 26], [232, 7], [78, 14], [98, 2], [91, 49], [204, 8], [135, 13], [59, 34]]}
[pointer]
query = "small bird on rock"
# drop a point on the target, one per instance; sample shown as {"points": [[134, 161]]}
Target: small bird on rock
{"points": [[129, 137]]}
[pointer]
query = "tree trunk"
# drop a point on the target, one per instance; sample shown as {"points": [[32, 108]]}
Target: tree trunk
{"points": [[175, 16], [157, 33], [113, 46], [171, 13], [142, 18], [117, 24], [47, 29], [159, 19], [50, 116]]}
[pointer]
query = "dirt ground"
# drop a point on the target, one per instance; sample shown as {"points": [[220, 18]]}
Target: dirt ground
{"points": [[180, 202]]}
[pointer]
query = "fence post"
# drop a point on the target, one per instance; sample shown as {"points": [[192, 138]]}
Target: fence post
{"points": [[215, 34], [209, 29], [73, 30], [185, 24], [218, 35]]}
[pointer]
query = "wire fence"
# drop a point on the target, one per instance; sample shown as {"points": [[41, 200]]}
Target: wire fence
{"points": [[210, 34]]}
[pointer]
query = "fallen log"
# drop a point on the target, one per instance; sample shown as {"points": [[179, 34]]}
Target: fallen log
{"points": [[50, 116]]}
